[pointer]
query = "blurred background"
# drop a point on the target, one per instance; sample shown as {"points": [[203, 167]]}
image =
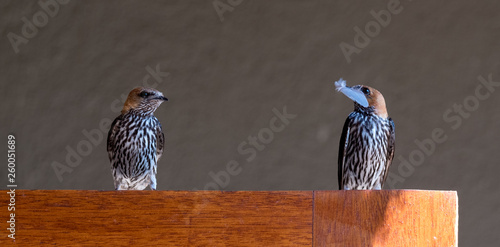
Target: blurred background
{"points": [[230, 67]]}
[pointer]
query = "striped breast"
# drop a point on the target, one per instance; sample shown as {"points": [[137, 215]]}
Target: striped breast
{"points": [[134, 150], [366, 151]]}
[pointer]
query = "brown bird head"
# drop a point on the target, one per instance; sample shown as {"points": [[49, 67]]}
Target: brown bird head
{"points": [[366, 99], [143, 100]]}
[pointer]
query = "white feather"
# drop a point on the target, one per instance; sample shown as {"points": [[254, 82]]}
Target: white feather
{"points": [[352, 94], [340, 84]]}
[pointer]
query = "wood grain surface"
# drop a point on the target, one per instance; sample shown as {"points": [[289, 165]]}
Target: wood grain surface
{"points": [[164, 218], [385, 218], [240, 218]]}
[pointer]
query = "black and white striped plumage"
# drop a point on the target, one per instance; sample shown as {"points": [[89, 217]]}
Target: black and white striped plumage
{"points": [[366, 147], [136, 140]]}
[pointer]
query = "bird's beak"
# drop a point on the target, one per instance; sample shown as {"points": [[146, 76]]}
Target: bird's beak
{"points": [[354, 94], [162, 98]]}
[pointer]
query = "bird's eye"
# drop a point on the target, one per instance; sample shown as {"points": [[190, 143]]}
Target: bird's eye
{"points": [[144, 94], [365, 91]]}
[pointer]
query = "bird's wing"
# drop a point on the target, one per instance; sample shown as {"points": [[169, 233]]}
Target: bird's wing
{"points": [[391, 145], [160, 141], [112, 135], [344, 138]]}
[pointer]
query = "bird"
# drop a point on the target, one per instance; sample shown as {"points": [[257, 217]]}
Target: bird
{"points": [[136, 140], [367, 142]]}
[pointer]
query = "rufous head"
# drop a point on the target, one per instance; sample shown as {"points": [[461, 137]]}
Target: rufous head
{"points": [[143, 100], [365, 98]]}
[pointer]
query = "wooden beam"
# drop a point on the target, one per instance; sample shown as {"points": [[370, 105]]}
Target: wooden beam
{"points": [[240, 218], [385, 218], [165, 218]]}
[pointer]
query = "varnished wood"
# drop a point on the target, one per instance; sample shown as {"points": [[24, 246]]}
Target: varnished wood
{"points": [[241, 218], [164, 218], [385, 218]]}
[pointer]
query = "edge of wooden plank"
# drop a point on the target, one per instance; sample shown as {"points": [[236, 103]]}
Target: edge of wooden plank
{"points": [[446, 197]]}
